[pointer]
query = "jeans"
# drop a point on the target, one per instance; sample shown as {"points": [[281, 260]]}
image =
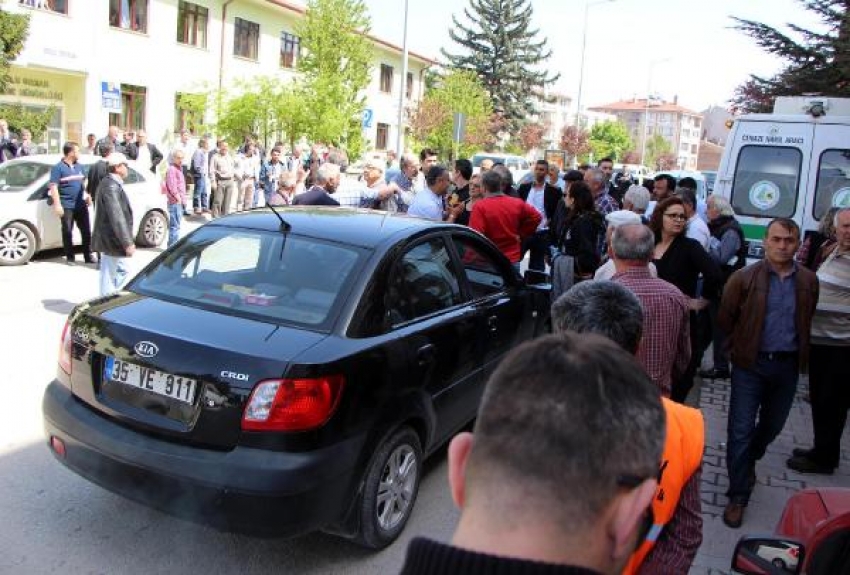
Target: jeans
{"points": [[538, 245], [764, 392], [113, 272], [175, 217], [829, 376], [79, 216], [682, 386], [200, 199]]}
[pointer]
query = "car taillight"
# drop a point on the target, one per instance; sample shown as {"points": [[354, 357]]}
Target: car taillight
{"points": [[292, 404], [65, 348], [794, 551]]}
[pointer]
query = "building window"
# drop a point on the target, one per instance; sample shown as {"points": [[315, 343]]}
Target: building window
{"points": [[383, 136], [290, 50], [192, 24], [186, 116], [60, 6], [132, 116], [693, 149], [386, 79], [409, 85], [129, 14], [246, 39]]}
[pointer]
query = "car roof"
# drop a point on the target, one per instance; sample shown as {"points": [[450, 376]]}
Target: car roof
{"points": [[679, 174], [357, 227], [85, 159]]}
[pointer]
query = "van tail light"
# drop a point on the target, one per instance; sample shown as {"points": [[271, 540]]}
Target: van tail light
{"points": [[65, 348], [292, 404]]}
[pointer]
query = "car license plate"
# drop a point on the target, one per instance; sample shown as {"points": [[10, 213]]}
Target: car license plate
{"points": [[152, 380]]}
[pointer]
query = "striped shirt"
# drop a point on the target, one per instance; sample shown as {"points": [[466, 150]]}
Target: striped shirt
{"points": [[831, 322]]}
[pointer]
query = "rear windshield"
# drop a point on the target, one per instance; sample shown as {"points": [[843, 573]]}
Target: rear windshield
{"points": [[767, 181], [14, 177], [267, 275], [833, 188]]}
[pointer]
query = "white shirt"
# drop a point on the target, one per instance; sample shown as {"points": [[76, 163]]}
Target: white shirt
{"points": [[535, 199], [144, 157], [697, 230], [428, 205]]}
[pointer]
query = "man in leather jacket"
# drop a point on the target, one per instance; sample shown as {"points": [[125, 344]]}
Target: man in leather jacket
{"points": [[113, 225]]}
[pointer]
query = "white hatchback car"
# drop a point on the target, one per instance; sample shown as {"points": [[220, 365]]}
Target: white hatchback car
{"points": [[28, 224]]}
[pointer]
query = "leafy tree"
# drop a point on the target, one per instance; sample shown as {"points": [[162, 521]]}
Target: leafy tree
{"points": [[195, 104], [610, 139], [656, 148], [431, 122], [502, 48], [252, 109], [335, 67], [531, 136], [14, 29], [21, 118], [666, 161], [630, 157], [818, 63], [575, 141]]}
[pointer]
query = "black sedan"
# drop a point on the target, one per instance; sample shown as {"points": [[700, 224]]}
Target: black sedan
{"points": [[284, 373]]}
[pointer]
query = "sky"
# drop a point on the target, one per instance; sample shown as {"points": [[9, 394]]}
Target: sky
{"points": [[689, 45]]}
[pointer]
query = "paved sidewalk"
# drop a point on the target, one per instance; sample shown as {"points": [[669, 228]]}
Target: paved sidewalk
{"points": [[776, 483]]}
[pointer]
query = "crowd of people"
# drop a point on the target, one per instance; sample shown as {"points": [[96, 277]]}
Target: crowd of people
{"points": [[646, 266]]}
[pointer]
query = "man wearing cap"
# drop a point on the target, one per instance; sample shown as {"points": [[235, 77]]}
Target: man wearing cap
{"points": [[113, 225]]}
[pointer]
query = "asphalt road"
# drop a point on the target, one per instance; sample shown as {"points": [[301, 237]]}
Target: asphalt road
{"points": [[52, 521]]}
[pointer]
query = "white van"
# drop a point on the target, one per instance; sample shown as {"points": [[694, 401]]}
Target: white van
{"points": [[792, 163]]}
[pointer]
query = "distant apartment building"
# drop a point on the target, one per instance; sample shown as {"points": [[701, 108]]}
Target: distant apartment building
{"points": [[644, 118], [553, 112], [714, 127], [126, 62]]}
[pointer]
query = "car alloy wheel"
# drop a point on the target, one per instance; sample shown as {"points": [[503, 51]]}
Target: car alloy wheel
{"points": [[152, 230], [391, 486], [779, 563], [17, 244]]}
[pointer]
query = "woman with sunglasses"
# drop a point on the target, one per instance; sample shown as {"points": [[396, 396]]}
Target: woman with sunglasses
{"points": [[680, 260], [582, 230]]}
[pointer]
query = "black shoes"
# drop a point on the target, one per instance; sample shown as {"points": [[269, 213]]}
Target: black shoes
{"points": [[733, 515], [714, 373], [802, 463]]}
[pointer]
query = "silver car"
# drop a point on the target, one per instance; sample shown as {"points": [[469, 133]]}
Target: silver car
{"points": [[28, 224]]}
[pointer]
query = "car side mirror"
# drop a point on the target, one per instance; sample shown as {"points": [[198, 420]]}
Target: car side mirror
{"points": [[768, 556], [536, 278]]}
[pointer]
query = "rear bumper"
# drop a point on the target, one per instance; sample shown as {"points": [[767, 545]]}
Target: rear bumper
{"points": [[245, 490]]}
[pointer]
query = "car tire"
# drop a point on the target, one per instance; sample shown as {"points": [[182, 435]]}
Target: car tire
{"points": [[779, 563], [153, 230], [390, 489], [18, 244]]}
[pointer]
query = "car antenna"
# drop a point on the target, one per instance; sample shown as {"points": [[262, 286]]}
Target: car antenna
{"points": [[285, 226]]}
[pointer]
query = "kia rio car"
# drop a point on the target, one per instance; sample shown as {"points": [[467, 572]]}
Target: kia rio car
{"points": [[282, 376], [28, 224]]}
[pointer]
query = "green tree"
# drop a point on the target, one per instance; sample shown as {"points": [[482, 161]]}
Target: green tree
{"points": [[656, 148], [335, 67], [14, 29], [816, 63], [431, 122], [610, 139], [502, 48]]}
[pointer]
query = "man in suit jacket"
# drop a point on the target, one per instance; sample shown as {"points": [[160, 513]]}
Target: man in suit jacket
{"points": [[544, 197], [143, 151]]}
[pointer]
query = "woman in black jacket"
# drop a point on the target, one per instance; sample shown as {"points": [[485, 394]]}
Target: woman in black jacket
{"points": [[580, 234], [680, 261]]}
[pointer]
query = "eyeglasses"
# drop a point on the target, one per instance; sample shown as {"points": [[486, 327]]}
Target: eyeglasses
{"points": [[677, 217]]}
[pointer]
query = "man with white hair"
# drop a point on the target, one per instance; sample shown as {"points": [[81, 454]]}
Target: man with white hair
{"points": [[327, 182], [616, 219], [636, 199], [371, 192], [404, 179], [598, 183]]}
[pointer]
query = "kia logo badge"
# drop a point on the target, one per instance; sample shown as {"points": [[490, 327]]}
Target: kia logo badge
{"points": [[146, 349]]}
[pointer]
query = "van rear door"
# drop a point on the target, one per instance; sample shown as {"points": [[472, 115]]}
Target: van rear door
{"points": [[765, 173], [830, 172]]}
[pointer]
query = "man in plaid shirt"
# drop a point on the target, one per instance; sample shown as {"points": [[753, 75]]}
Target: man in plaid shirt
{"points": [[665, 348], [598, 183]]}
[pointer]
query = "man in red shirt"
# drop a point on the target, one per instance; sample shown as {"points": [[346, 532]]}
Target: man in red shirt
{"points": [[504, 220]]}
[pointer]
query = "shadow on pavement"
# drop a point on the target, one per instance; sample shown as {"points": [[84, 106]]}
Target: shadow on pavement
{"points": [[60, 306], [55, 521]]}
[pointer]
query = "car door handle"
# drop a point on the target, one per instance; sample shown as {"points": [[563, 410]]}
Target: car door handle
{"points": [[426, 354], [493, 323]]}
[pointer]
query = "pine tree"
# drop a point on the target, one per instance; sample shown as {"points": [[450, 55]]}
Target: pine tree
{"points": [[817, 64], [501, 47]]}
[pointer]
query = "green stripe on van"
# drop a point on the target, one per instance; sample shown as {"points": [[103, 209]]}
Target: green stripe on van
{"points": [[754, 231]]}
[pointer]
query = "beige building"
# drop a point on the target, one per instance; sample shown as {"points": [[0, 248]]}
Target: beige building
{"points": [[126, 62], [681, 127]]}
